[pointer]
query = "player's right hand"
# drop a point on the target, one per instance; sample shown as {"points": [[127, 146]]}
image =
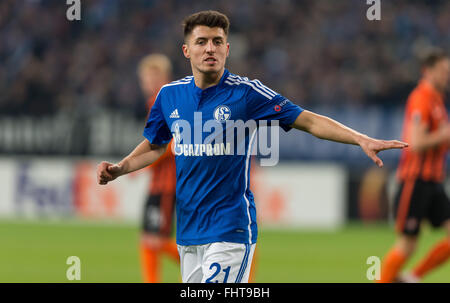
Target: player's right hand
{"points": [[107, 172]]}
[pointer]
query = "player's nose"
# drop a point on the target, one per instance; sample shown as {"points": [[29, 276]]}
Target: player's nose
{"points": [[210, 47]]}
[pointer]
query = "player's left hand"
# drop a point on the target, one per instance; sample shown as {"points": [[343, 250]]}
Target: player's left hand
{"points": [[107, 172], [373, 146]]}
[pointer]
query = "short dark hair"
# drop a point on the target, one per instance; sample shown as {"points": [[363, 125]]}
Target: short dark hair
{"points": [[433, 57], [208, 18]]}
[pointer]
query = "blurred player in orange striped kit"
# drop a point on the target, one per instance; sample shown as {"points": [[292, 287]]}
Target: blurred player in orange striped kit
{"points": [[155, 71], [421, 173]]}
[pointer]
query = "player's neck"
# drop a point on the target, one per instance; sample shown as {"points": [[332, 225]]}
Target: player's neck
{"points": [[205, 80], [431, 83]]}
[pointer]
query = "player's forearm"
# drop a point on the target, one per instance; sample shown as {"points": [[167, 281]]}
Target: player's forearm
{"points": [[421, 139], [142, 156], [424, 142], [325, 128]]}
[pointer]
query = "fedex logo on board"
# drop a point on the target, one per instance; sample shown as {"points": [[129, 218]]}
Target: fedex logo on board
{"points": [[38, 194]]}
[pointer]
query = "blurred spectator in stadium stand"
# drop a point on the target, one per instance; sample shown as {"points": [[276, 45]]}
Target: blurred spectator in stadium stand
{"points": [[316, 51]]}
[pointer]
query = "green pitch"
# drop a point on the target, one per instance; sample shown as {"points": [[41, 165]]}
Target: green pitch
{"points": [[37, 252]]}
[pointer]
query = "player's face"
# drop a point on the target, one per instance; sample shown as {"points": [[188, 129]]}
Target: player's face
{"points": [[441, 74], [207, 48], [151, 79]]}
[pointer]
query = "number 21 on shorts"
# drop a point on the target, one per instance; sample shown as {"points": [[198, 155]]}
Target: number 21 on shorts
{"points": [[218, 268]]}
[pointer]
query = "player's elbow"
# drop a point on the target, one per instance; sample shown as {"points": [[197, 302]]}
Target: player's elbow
{"points": [[161, 151]]}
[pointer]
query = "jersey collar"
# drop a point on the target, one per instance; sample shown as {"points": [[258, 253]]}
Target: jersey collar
{"points": [[211, 89]]}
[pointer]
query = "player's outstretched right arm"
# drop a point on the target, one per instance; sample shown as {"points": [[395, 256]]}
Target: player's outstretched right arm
{"points": [[143, 155], [325, 128]]}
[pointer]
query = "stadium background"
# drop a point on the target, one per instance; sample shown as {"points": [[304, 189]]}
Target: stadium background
{"points": [[70, 98]]}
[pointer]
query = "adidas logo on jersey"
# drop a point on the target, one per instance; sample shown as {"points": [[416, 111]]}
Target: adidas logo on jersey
{"points": [[174, 114]]}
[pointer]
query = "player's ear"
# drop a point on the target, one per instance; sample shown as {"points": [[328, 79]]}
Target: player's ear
{"points": [[185, 49], [228, 49]]}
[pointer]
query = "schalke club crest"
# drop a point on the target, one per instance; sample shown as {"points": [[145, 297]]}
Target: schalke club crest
{"points": [[222, 113]]}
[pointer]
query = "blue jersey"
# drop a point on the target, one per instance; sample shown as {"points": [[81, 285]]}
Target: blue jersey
{"points": [[213, 199]]}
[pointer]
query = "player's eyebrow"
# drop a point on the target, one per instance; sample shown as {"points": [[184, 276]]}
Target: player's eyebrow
{"points": [[206, 38]]}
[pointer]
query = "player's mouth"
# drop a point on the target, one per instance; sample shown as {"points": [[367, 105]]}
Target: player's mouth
{"points": [[210, 60]]}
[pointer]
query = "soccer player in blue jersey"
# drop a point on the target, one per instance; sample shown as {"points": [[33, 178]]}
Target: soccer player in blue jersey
{"points": [[216, 215]]}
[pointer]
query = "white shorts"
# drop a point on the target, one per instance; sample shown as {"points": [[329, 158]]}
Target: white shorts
{"points": [[219, 262]]}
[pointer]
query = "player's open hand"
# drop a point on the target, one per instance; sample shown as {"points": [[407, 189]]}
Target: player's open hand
{"points": [[373, 146], [107, 172]]}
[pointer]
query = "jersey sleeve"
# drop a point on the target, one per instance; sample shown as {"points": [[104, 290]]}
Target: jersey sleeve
{"points": [[265, 104], [419, 109], [156, 130]]}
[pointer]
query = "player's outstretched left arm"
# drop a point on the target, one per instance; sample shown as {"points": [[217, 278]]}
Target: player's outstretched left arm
{"points": [[325, 128], [143, 155]]}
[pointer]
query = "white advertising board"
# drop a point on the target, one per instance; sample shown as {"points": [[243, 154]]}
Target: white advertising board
{"points": [[293, 195]]}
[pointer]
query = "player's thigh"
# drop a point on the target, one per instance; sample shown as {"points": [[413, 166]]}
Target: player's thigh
{"points": [[226, 262], [190, 263], [439, 211], [411, 203]]}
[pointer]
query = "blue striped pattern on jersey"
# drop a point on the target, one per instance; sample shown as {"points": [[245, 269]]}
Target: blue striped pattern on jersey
{"points": [[255, 84]]}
